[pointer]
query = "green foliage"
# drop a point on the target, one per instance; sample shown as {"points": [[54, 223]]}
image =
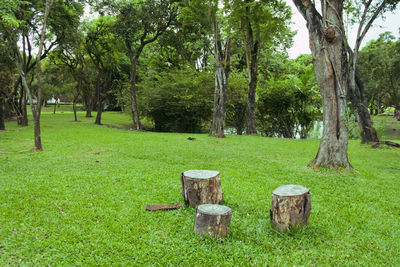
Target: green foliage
{"points": [[288, 106], [236, 103], [178, 100], [81, 202], [379, 71]]}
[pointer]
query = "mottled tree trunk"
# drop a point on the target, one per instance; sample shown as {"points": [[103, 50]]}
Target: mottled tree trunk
{"points": [[2, 115], [99, 98], [396, 114], [22, 119], [251, 47], [132, 82], [251, 108], [331, 71], [222, 71], [359, 103]]}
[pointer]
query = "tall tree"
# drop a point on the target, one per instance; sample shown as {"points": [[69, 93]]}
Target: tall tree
{"points": [[328, 48], [139, 24], [102, 48], [379, 71], [364, 13], [222, 71], [261, 23]]}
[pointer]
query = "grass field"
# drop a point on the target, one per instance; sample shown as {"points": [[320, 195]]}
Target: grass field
{"points": [[82, 200]]}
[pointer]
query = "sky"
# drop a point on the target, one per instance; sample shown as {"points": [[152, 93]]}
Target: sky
{"points": [[301, 44]]}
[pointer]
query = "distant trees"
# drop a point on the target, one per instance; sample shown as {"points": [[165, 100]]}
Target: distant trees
{"points": [[261, 24], [378, 70], [139, 24]]}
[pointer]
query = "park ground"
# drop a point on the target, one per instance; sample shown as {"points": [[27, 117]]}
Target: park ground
{"points": [[82, 200]]}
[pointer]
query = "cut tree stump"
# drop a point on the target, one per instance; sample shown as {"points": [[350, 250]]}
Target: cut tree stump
{"points": [[291, 206], [212, 219], [201, 187]]}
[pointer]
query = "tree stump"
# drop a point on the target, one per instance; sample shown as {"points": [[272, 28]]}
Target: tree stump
{"points": [[212, 219], [291, 206], [201, 187]]}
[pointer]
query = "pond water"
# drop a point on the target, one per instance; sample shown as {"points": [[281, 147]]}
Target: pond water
{"points": [[388, 129]]}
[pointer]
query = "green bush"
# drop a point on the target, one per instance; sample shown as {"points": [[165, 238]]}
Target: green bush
{"points": [[287, 107], [177, 101]]}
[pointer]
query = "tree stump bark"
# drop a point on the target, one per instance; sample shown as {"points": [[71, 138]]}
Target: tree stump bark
{"points": [[212, 219], [291, 206], [201, 187]]}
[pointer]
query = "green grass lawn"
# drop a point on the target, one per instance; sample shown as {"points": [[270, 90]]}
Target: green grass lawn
{"points": [[82, 200]]}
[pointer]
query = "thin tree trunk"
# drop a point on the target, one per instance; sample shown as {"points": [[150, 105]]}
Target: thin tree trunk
{"points": [[251, 98], [331, 70], [221, 83], [98, 98], [55, 106], [251, 53], [23, 113], [2, 115], [132, 82], [368, 132], [89, 105], [396, 114]]}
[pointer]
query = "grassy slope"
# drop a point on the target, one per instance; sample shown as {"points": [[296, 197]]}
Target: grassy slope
{"points": [[82, 201]]}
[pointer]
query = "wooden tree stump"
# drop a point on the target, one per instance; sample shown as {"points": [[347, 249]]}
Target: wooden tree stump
{"points": [[212, 219], [291, 206], [201, 187]]}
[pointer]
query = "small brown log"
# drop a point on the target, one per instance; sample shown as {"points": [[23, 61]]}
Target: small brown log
{"points": [[201, 187], [291, 206], [163, 207], [392, 144], [212, 219]]}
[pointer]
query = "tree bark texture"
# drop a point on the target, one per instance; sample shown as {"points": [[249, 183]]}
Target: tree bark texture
{"points": [[360, 106], [2, 114], [221, 83], [212, 219], [331, 71], [396, 114], [99, 98], [201, 187], [291, 207], [132, 82], [251, 49]]}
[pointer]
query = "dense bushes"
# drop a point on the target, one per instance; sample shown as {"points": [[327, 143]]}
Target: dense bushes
{"points": [[177, 101], [288, 107]]}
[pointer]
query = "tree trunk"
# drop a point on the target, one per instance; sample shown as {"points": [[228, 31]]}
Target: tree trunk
{"points": [[291, 206], [396, 114], [2, 115], [239, 130], [74, 108], [98, 99], [251, 109], [89, 105], [132, 82], [201, 187], [221, 83], [55, 106], [331, 70], [359, 103], [212, 220], [22, 110]]}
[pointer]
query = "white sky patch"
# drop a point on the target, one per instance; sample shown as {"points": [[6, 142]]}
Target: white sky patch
{"points": [[301, 43]]}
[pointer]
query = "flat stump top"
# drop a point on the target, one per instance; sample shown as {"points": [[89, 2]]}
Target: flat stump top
{"points": [[200, 174], [290, 190], [214, 209]]}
